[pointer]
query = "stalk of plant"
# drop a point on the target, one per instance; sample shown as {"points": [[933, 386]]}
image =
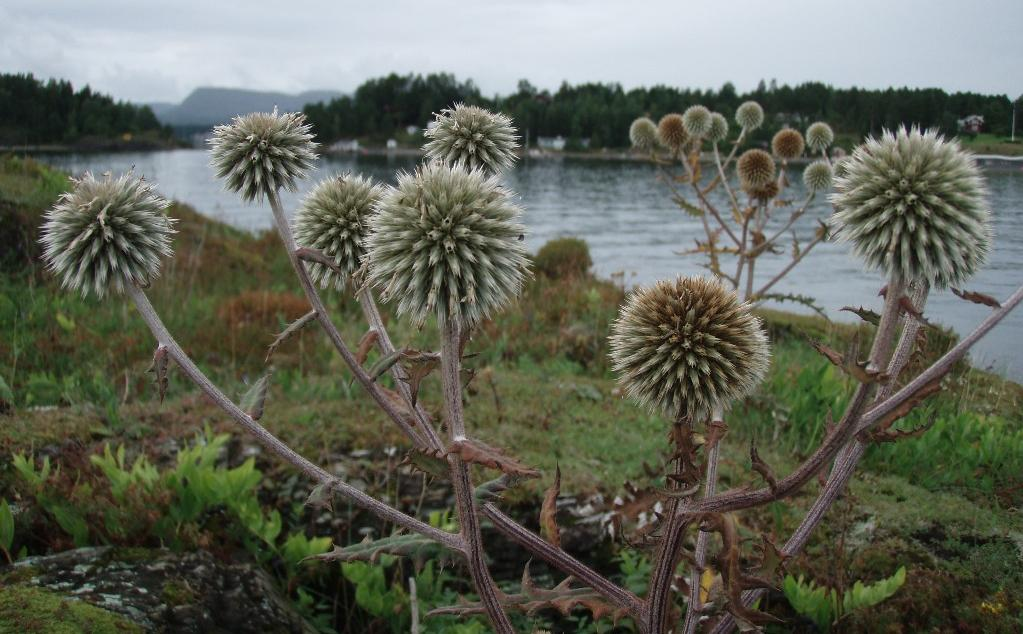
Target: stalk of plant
{"points": [[445, 245]]}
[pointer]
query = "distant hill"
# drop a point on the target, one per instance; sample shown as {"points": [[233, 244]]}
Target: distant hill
{"points": [[208, 106]]}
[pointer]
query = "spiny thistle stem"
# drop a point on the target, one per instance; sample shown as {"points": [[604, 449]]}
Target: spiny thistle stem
{"points": [[849, 457], [386, 346], [468, 520], [313, 296], [274, 444], [568, 564], [702, 538]]}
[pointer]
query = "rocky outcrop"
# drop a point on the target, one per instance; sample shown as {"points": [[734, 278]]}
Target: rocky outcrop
{"points": [[163, 591]]}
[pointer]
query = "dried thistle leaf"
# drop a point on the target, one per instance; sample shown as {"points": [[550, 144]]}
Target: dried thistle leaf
{"points": [[476, 452], [859, 370], [383, 364], [318, 257], [893, 435], [366, 345], [907, 307], [909, 404], [418, 365], [161, 359], [977, 298], [292, 328], [549, 511], [762, 467], [254, 399], [865, 314], [828, 353]]}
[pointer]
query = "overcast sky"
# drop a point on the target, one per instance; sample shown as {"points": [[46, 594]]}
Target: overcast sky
{"points": [[145, 50]]}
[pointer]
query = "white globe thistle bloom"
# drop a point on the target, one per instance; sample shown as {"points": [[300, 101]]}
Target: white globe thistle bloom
{"points": [[334, 219], [447, 241], [472, 137], [718, 128], [688, 346], [819, 136], [643, 134], [749, 115], [697, 121], [913, 205], [261, 152], [107, 233], [817, 176]]}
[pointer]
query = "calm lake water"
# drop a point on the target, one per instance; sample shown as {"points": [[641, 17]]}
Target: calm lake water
{"points": [[631, 225]]}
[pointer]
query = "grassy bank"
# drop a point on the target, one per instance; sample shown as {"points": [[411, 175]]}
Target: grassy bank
{"points": [[74, 379]]}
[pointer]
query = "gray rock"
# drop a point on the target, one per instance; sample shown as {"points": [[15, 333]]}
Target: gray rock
{"points": [[164, 591]]}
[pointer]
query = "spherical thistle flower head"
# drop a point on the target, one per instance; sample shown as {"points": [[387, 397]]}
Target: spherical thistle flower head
{"points": [[718, 128], [643, 134], [449, 241], [819, 136], [817, 176], [764, 193], [334, 219], [671, 132], [755, 168], [687, 347], [107, 233], [472, 137], [697, 121], [749, 115], [787, 144], [914, 205], [259, 153]]}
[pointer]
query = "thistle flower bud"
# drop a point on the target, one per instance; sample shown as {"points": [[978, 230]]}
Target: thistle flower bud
{"points": [[817, 176], [472, 137], [104, 233], [671, 132], [749, 115], [787, 144], [718, 128], [334, 219], [819, 136], [755, 168], [697, 121], [261, 152], [643, 134], [914, 206], [687, 347], [449, 241]]}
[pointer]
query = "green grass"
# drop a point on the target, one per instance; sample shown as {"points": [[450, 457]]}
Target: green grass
{"points": [[993, 144]]}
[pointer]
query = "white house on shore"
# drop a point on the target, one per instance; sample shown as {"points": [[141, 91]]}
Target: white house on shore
{"points": [[345, 145]]}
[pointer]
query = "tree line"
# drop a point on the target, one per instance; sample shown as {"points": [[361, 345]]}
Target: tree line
{"points": [[385, 106], [37, 112]]}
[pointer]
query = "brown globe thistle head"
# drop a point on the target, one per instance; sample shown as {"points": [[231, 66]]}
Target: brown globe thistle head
{"points": [[643, 134], [788, 144], [819, 136], [749, 115], [107, 233], [764, 193], [697, 121], [447, 241], [914, 206], [718, 128], [687, 347], [260, 152], [671, 132], [334, 219], [755, 169]]}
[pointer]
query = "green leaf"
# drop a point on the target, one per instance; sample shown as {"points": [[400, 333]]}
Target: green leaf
{"points": [[415, 546], [6, 525], [255, 398], [65, 322]]}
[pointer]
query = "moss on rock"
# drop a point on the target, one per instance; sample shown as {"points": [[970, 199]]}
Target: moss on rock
{"points": [[25, 610]]}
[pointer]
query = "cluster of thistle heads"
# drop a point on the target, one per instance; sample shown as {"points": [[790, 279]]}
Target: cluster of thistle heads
{"points": [[447, 239]]}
